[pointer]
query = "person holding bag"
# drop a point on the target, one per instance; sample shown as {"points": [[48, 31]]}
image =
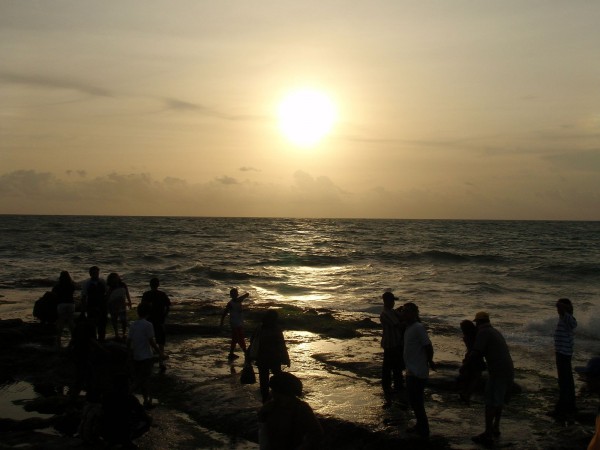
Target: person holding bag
{"points": [[268, 349]]}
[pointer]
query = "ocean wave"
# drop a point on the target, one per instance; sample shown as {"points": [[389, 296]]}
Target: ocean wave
{"points": [[486, 288], [289, 289], [440, 256], [35, 283], [575, 270], [306, 261]]}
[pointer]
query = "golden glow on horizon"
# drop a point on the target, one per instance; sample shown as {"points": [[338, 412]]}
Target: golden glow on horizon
{"points": [[306, 116]]}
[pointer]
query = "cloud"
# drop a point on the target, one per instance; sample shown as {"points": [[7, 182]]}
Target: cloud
{"points": [[301, 195], [185, 106], [588, 160], [227, 180], [46, 82], [248, 169]]}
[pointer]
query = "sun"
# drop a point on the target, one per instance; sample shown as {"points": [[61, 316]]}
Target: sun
{"points": [[306, 116]]}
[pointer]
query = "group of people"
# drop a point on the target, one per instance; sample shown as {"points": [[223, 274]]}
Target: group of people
{"points": [[284, 420], [105, 369], [408, 358], [407, 348]]}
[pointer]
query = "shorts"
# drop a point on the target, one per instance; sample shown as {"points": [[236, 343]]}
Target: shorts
{"points": [[143, 369], [498, 389], [159, 333]]}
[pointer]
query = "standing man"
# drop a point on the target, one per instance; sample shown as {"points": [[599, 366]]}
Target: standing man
{"points": [[160, 304], [141, 341], [418, 358], [94, 301], [236, 320], [392, 342], [563, 347], [490, 344]]}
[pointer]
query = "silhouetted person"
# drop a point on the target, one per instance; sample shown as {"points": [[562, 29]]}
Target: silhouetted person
{"points": [[65, 309], [160, 305], [286, 422], [93, 299], [471, 368], [564, 337], [392, 342], [236, 320], [418, 357], [490, 344], [141, 341], [84, 351], [124, 419], [272, 352], [590, 373], [118, 299]]}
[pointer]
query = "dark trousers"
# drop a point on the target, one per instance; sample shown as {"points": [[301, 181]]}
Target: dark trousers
{"points": [[99, 317], [415, 388], [391, 370], [263, 378], [566, 384]]}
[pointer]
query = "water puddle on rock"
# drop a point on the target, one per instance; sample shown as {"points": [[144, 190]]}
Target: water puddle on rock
{"points": [[14, 396]]}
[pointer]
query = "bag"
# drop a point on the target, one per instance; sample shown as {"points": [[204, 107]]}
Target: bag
{"points": [[248, 376], [44, 308]]}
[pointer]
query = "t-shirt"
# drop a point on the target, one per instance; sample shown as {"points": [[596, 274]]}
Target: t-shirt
{"points": [[94, 293], [140, 333], [564, 334], [490, 343], [236, 317], [393, 329], [117, 298], [415, 355], [160, 305]]}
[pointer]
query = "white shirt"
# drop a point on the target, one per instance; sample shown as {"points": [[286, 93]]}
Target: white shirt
{"points": [[140, 333], [415, 355]]}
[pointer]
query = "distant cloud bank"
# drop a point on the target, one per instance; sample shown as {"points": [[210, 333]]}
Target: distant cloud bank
{"points": [[305, 195]]}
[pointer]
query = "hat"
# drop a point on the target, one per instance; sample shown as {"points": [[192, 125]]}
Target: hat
{"points": [[592, 368], [482, 315]]}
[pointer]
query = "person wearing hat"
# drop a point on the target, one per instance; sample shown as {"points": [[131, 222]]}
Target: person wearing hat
{"points": [[392, 342], [286, 422], [563, 348], [590, 373], [490, 344]]}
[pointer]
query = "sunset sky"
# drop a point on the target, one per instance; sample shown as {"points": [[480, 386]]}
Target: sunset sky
{"points": [[448, 109]]}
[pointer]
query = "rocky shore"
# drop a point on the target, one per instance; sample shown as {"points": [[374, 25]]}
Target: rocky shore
{"points": [[202, 405]]}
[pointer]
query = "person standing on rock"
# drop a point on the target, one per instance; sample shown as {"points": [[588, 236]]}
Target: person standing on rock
{"points": [[160, 304], [418, 357], [392, 342], [141, 342], [94, 301], [490, 344], [268, 349], [563, 348], [236, 320], [65, 309]]}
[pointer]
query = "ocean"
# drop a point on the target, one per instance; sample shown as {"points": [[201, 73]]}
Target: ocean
{"points": [[515, 270]]}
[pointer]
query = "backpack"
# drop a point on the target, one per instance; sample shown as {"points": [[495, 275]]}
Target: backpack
{"points": [[44, 308]]}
